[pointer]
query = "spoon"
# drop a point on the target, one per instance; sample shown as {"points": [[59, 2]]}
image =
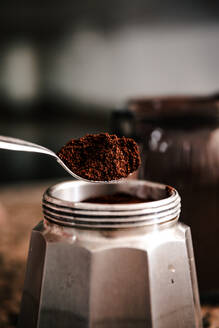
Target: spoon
{"points": [[22, 145]]}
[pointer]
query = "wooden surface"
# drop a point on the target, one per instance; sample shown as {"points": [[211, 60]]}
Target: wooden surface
{"points": [[20, 211]]}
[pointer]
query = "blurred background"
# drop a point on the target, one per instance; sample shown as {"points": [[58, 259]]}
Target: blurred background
{"points": [[65, 65]]}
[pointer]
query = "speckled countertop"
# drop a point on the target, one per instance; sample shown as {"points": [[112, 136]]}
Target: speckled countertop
{"points": [[20, 211]]}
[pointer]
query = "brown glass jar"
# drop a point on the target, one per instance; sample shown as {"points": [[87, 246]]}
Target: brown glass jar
{"points": [[179, 141]]}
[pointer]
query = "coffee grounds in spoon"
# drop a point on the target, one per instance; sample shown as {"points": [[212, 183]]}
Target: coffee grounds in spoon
{"points": [[101, 157]]}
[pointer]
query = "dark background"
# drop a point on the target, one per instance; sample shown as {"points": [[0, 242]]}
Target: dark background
{"points": [[64, 66]]}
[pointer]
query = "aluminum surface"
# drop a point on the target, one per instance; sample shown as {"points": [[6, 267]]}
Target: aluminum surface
{"points": [[84, 276], [62, 204]]}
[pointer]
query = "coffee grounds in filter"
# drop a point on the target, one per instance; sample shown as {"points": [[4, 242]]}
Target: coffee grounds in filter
{"points": [[101, 157], [117, 198]]}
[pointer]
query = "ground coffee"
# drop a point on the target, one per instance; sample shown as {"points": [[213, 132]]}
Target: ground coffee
{"points": [[101, 157], [117, 198]]}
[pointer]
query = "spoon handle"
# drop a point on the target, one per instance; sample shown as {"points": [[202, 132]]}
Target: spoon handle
{"points": [[22, 145]]}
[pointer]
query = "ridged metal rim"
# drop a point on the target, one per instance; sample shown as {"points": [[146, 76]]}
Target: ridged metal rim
{"points": [[90, 215]]}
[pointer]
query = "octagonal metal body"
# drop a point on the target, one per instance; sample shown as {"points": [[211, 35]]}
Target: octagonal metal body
{"points": [[135, 277]]}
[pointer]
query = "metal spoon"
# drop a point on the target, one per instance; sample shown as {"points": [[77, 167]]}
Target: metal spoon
{"points": [[22, 145]]}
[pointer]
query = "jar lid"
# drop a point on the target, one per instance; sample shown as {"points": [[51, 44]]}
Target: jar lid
{"points": [[165, 107]]}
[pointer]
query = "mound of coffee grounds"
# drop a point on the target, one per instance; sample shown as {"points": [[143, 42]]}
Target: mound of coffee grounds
{"points": [[101, 157], [117, 198]]}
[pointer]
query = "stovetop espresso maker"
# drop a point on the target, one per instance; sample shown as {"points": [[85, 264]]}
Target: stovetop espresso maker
{"points": [[110, 265]]}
